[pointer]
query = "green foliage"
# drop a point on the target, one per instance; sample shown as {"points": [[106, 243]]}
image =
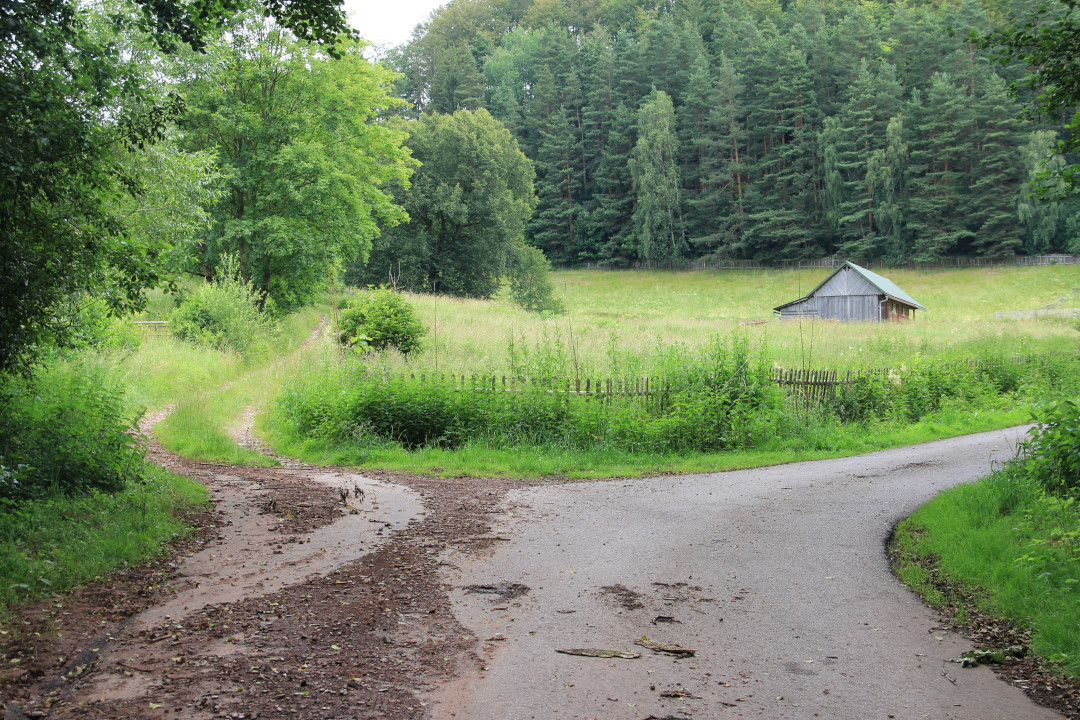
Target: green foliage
{"points": [[1009, 544], [306, 167], [467, 205], [655, 170], [60, 232], [1051, 453], [912, 393], [791, 131], [51, 544], [1045, 43], [65, 431], [530, 281], [716, 398], [224, 314], [96, 200], [867, 397], [381, 318]]}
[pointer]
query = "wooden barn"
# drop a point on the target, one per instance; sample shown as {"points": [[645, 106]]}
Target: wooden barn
{"points": [[852, 293]]}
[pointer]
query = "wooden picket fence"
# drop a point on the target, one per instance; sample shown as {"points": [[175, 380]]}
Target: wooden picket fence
{"points": [[597, 387], [814, 386], [804, 387]]}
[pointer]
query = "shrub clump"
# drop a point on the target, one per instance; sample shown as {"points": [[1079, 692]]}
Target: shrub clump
{"points": [[65, 431], [530, 281], [713, 398], [1051, 453], [381, 318], [227, 314]]}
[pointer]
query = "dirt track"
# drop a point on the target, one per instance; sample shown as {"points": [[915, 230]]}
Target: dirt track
{"points": [[289, 605]]}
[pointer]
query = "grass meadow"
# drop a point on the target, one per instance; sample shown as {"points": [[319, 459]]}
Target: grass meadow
{"points": [[627, 324], [624, 314]]}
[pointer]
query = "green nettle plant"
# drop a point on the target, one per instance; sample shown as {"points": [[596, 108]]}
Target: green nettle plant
{"points": [[381, 318], [65, 431]]}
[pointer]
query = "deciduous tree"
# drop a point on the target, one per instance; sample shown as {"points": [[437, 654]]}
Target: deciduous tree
{"points": [[305, 164], [468, 205]]}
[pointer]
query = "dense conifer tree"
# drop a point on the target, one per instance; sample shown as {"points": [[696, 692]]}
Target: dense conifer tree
{"points": [[860, 129]]}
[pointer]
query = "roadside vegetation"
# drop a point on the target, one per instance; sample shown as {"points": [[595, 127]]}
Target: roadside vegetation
{"points": [[490, 389], [1008, 547], [77, 494]]}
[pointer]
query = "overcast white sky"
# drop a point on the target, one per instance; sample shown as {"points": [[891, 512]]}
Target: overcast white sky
{"points": [[389, 22]]}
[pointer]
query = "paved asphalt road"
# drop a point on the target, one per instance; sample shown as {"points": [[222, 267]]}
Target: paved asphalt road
{"points": [[778, 578]]}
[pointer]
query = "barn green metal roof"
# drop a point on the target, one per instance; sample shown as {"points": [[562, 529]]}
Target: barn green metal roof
{"points": [[885, 285]]}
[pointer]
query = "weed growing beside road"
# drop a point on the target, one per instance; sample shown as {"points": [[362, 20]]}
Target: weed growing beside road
{"points": [[54, 543]]}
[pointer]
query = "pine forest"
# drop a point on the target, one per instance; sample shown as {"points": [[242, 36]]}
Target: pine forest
{"points": [[750, 129]]}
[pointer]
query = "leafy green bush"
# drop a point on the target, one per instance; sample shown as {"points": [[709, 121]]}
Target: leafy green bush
{"points": [[65, 431], [1051, 454], [530, 281], [382, 318], [227, 314], [714, 398], [866, 397]]}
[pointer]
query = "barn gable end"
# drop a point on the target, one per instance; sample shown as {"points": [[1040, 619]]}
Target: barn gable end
{"points": [[846, 282]]}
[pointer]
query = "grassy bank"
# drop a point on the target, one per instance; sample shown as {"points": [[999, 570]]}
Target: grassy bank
{"points": [[480, 459], [1006, 548], [210, 388], [52, 544]]}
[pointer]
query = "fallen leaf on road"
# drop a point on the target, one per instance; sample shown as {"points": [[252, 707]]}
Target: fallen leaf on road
{"points": [[680, 693]]}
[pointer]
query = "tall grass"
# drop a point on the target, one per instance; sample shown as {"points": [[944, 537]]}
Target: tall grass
{"points": [[71, 533], [198, 425], [631, 310], [52, 544], [704, 403]]}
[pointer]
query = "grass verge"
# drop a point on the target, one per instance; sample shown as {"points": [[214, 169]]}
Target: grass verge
{"points": [[52, 544], [199, 425], [479, 459], [1001, 548]]}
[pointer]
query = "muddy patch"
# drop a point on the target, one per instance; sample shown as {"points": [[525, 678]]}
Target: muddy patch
{"points": [[623, 596], [499, 591]]}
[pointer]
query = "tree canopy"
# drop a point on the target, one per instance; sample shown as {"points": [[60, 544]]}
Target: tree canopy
{"points": [[1047, 43], [468, 205], [871, 130], [305, 165], [76, 103]]}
